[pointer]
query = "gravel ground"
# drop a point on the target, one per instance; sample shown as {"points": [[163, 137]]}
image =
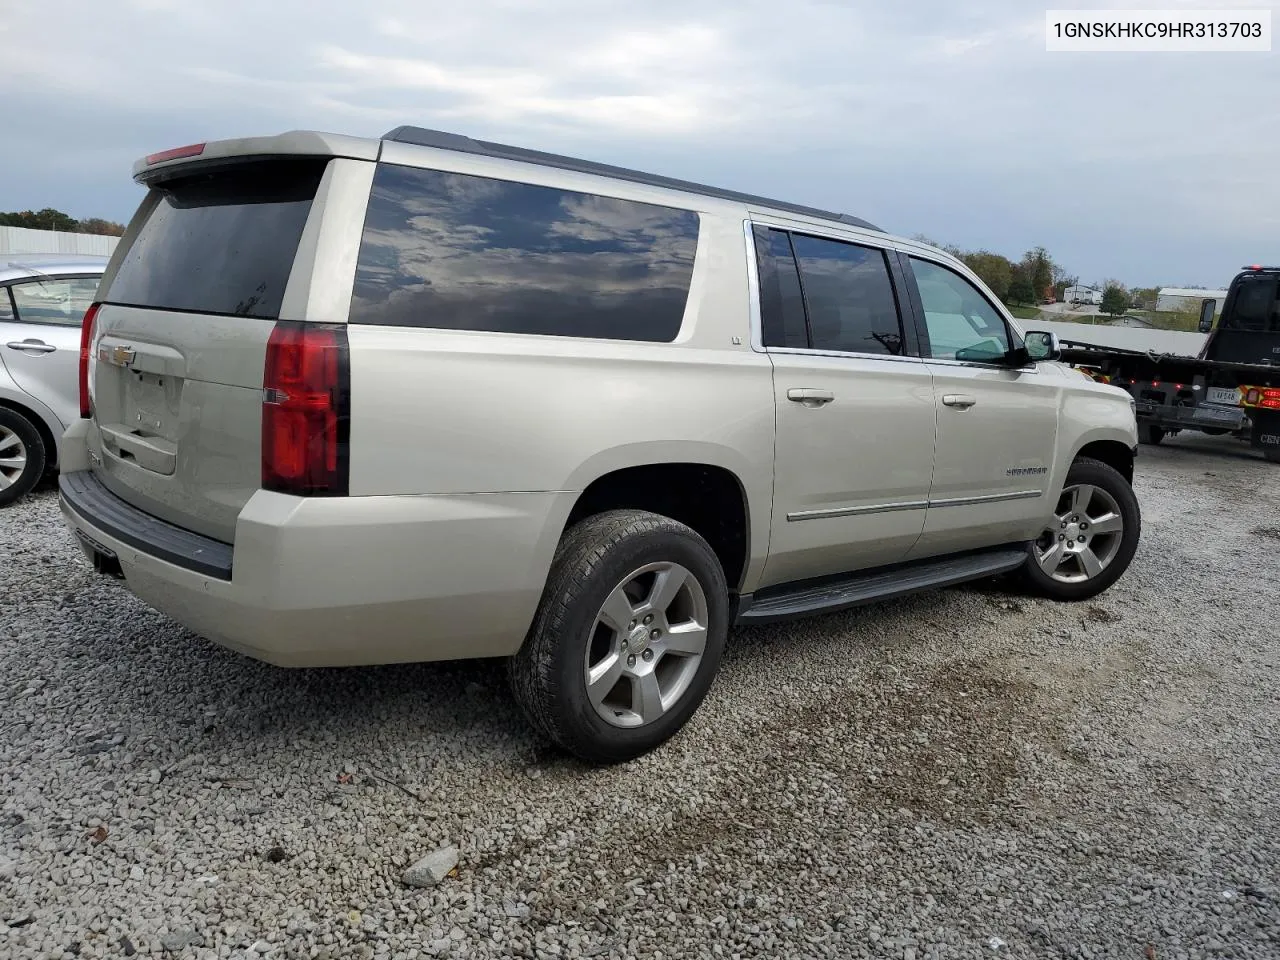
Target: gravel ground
{"points": [[966, 774]]}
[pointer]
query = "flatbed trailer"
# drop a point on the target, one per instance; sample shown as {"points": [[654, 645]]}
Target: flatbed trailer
{"points": [[1233, 387]]}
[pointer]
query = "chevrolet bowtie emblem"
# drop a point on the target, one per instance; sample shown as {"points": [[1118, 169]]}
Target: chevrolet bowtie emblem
{"points": [[118, 356]]}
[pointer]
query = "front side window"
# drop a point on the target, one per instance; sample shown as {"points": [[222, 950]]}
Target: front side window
{"points": [[53, 301], [962, 325], [849, 297], [459, 252]]}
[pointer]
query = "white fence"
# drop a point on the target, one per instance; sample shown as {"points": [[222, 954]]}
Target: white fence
{"points": [[22, 240]]}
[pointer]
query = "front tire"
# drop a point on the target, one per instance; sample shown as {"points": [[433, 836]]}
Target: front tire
{"points": [[628, 636], [22, 456], [1089, 539]]}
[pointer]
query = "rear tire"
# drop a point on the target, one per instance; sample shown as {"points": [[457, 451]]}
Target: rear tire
{"points": [[1097, 506], [628, 636], [1150, 434], [22, 456]]}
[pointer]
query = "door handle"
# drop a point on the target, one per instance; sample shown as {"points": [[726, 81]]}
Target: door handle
{"points": [[809, 396], [961, 400], [31, 346]]}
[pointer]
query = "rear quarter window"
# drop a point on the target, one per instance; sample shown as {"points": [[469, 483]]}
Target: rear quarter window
{"points": [[459, 252], [221, 241]]}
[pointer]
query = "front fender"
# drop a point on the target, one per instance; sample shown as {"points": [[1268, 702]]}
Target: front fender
{"points": [[1097, 414]]}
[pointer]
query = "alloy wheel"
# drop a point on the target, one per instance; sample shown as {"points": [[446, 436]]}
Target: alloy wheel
{"points": [[13, 457], [646, 644], [1083, 537]]}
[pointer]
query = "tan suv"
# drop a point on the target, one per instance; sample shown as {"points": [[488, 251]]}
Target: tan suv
{"points": [[351, 401]]}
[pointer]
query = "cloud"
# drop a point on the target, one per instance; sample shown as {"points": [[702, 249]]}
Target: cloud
{"points": [[926, 117]]}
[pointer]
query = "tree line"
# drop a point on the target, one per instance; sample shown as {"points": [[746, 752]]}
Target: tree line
{"points": [[50, 219], [1036, 278]]}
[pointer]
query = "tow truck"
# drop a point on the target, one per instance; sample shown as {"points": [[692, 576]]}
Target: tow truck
{"points": [[1232, 387]]}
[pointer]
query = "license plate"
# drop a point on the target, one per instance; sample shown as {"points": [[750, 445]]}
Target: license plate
{"points": [[1222, 414], [1223, 395]]}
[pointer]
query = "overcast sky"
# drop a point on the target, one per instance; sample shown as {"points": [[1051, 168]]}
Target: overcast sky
{"points": [[931, 117]]}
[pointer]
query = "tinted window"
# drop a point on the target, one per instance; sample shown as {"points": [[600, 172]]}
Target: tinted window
{"points": [[469, 253], [849, 297], [221, 242], [962, 325], [1256, 307], [781, 303], [54, 301]]}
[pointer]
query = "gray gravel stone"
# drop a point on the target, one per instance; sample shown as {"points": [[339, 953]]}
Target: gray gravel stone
{"points": [[904, 777], [432, 868]]}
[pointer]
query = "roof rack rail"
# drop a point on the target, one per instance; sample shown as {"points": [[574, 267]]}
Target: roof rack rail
{"points": [[444, 140]]}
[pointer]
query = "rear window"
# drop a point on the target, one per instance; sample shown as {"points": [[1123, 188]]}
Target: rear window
{"points": [[222, 241], [1256, 307], [460, 252]]}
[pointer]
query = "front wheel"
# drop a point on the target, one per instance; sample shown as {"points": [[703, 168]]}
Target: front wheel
{"points": [[627, 638], [1090, 537]]}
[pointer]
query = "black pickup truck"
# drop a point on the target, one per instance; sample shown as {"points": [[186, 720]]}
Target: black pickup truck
{"points": [[1232, 387]]}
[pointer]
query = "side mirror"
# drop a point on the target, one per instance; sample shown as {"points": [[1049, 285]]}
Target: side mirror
{"points": [[1042, 345], [1207, 309]]}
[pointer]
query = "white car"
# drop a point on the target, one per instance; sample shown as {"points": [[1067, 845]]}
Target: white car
{"points": [[42, 305]]}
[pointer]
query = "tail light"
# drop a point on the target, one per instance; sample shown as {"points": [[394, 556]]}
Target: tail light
{"points": [[86, 343], [306, 410], [1268, 398]]}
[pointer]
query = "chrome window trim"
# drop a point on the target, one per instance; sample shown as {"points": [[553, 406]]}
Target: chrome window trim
{"points": [[843, 355], [753, 289], [946, 362]]}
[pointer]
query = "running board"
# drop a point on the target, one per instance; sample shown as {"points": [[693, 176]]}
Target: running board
{"points": [[806, 599]]}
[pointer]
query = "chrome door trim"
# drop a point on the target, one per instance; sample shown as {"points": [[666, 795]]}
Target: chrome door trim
{"points": [[831, 512], [828, 513], [987, 498]]}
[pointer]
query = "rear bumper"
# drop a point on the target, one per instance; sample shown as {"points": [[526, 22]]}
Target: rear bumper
{"points": [[339, 581]]}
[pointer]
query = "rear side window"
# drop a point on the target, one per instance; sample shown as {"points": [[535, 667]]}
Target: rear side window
{"points": [[54, 300], [221, 241], [781, 302], [849, 297], [459, 252]]}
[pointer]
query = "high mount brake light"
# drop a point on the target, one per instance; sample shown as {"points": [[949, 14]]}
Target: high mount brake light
{"points": [[306, 410], [177, 153]]}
